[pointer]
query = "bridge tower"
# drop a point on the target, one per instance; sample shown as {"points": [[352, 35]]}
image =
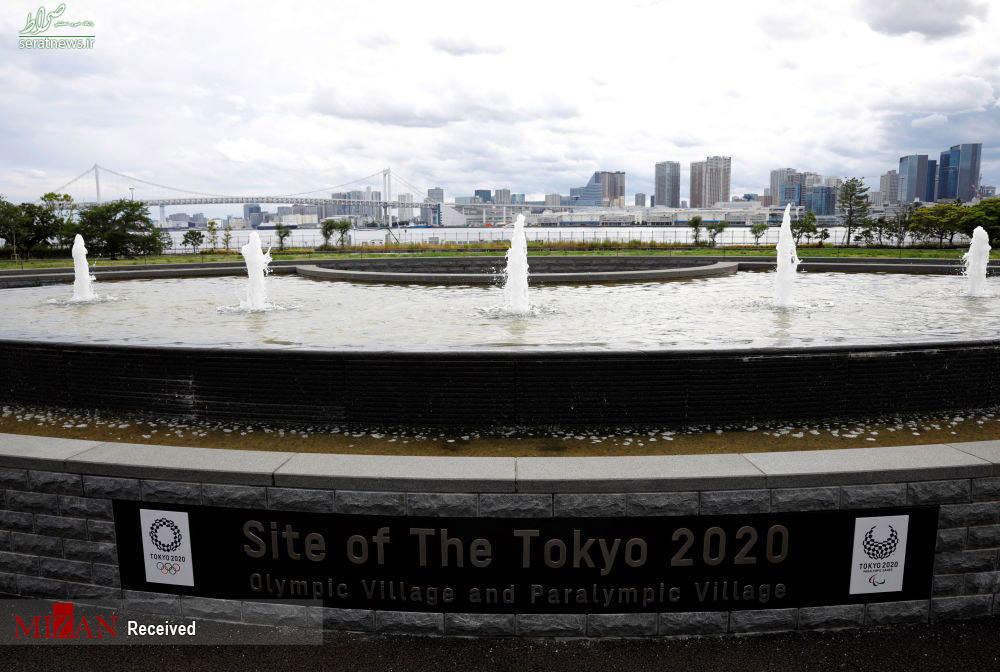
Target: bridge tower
{"points": [[97, 182]]}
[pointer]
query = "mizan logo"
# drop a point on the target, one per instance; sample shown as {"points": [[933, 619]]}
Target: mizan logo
{"points": [[880, 550], [176, 538]]}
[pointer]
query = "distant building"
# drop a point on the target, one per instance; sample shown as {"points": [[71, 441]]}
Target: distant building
{"points": [[553, 199], [821, 200], [684, 204], [811, 179], [959, 172], [718, 173], [517, 199], [834, 182], [501, 196], [485, 195], [248, 209], [640, 200], [987, 191], [605, 188], [791, 193], [284, 210], [779, 178], [404, 213], [917, 176], [697, 190], [875, 199], [467, 200], [888, 184], [667, 184], [435, 195]]}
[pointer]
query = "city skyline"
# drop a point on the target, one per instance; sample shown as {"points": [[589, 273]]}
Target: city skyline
{"points": [[224, 118]]}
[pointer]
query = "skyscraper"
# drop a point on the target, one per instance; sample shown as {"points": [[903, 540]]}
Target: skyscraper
{"points": [[436, 194], [779, 178], [717, 180], [667, 181], [888, 184], [697, 184], [959, 172], [501, 196], [915, 175], [640, 200], [485, 195]]}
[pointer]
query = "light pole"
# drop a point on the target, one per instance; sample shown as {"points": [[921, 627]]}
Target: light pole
{"points": [[132, 190]]}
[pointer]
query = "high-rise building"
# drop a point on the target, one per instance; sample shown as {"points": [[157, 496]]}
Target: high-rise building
{"points": [[249, 209], [403, 212], [916, 178], [821, 200], [779, 178], [959, 172], [888, 185], [875, 199], [667, 184], [811, 180], [717, 179], [501, 196], [791, 193], [435, 195], [987, 191], [553, 199], [640, 200], [697, 193], [684, 204], [485, 195], [517, 199], [605, 188]]}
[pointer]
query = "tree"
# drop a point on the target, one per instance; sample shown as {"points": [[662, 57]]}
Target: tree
{"points": [[327, 229], [282, 232], [213, 233], [227, 236], [805, 226], [193, 238], [117, 228], [695, 224], [757, 231], [714, 229], [822, 235], [27, 226], [853, 202], [342, 227], [939, 222]]}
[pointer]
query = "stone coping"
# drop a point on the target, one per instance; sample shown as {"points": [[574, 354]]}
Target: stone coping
{"points": [[664, 473]]}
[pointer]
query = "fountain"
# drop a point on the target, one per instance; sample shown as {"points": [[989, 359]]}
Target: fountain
{"points": [[976, 260], [257, 261], [82, 289], [516, 286], [788, 261]]}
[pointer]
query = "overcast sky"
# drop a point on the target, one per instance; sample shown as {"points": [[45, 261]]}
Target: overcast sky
{"points": [[272, 97]]}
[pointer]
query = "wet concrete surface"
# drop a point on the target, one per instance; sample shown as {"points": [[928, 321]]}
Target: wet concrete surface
{"points": [[969, 646]]}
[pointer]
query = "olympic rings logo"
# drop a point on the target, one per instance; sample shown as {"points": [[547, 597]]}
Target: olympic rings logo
{"points": [[175, 541], [170, 568]]}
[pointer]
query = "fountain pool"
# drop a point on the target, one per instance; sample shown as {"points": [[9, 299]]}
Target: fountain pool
{"points": [[705, 313]]}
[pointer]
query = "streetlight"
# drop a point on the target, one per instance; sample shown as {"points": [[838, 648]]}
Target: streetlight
{"points": [[132, 189]]}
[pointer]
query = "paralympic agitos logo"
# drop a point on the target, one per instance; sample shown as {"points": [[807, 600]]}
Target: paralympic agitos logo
{"points": [[62, 625], [880, 550]]}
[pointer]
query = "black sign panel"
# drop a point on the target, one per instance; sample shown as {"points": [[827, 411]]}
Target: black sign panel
{"points": [[554, 565]]}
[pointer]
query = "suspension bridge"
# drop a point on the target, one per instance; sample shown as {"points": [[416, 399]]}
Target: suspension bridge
{"points": [[98, 184]]}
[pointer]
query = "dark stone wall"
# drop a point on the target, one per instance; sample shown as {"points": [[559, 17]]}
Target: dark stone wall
{"points": [[483, 388]]}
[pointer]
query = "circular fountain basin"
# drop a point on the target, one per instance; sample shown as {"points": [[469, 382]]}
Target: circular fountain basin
{"points": [[701, 350]]}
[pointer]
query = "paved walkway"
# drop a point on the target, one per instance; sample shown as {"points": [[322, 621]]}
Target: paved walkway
{"points": [[972, 646]]}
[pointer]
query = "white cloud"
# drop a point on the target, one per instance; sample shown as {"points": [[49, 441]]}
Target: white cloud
{"points": [[929, 120], [229, 97], [932, 19], [465, 45]]}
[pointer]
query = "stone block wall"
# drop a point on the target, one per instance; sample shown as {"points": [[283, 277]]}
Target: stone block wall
{"points": [[57, 541]]}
